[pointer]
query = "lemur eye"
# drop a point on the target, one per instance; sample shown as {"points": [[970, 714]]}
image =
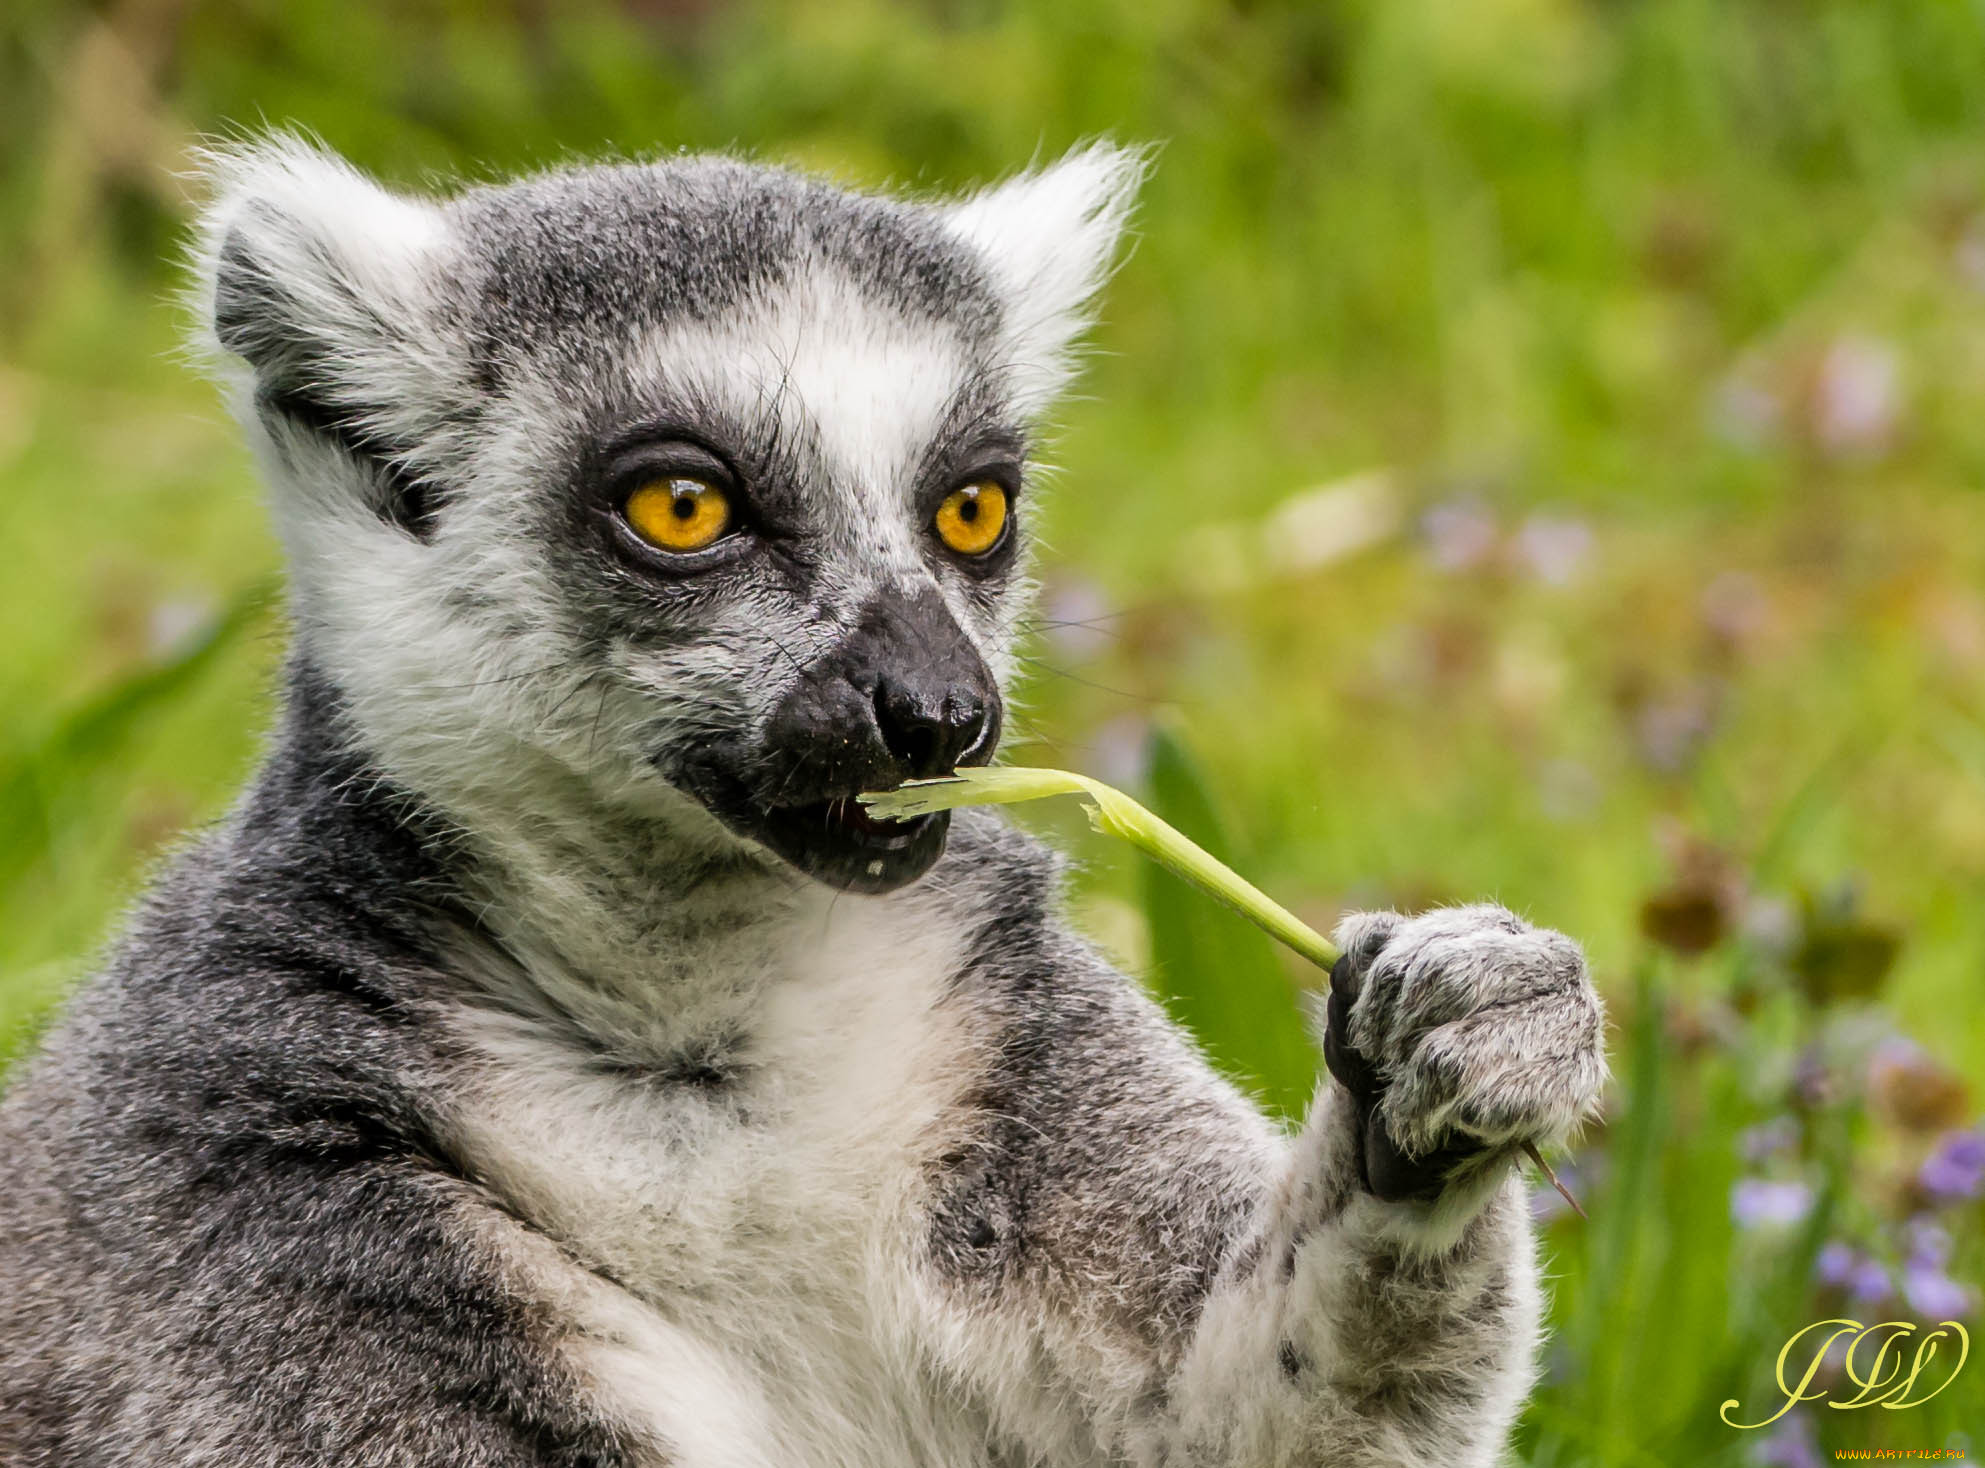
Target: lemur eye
{"points": [[970, 519], [678, 514]]}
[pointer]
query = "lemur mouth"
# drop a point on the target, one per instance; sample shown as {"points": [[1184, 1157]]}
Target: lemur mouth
{"points": [[905, 693], [838, 842], [851, 817]]}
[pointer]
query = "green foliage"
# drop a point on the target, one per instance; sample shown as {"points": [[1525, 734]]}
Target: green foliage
{"points": [[1533, 452], [88, 744]]}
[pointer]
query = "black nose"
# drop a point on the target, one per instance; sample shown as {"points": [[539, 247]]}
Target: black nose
{"points": [[930, 727]]}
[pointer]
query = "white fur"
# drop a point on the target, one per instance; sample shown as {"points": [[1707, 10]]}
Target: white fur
{"points": [[757, 1240], [355, 262], [866, 388], [1049, 238]]}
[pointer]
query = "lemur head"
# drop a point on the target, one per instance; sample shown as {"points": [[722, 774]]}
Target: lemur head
{"points": [[702, 483]]}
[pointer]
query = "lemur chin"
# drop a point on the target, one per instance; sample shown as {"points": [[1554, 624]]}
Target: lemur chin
{"points": [[548, 1063]]}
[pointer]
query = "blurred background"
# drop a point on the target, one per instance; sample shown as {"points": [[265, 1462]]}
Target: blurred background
{"points": [[1534, 452]]}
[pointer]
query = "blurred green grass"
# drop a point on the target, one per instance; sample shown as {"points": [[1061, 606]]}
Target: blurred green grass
{"points": [[1533, 451]]}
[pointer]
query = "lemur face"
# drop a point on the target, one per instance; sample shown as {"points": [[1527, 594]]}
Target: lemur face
{"points": [[703, 484]]}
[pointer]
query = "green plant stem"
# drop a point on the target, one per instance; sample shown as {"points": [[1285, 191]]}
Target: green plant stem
{"points": [[1116, 814]]}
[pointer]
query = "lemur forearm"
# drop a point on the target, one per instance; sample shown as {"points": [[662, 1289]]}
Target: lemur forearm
{"points": [[1206, 1292], [1356, 1331], [1337, 1329]]}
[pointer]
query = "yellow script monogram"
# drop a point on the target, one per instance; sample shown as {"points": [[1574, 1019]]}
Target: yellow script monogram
{"points": [[1881, 1377]]}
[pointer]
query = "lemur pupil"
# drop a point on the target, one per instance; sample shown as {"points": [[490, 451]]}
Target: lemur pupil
{"points": [[684, 507], [969, 511]]}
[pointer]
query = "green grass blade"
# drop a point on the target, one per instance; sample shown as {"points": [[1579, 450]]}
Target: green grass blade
{"points": [[99, 730]]}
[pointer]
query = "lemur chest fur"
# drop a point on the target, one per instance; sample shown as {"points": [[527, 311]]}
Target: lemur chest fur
{"points": [[769, 1149], [725, 1227]]}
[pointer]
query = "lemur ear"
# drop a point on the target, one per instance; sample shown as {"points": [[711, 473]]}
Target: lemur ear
{"points": [[323, 284], [306, 266], [1048, 238]]}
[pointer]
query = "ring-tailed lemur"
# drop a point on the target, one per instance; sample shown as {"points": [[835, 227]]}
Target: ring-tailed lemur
{"points": [[547, 1063]]}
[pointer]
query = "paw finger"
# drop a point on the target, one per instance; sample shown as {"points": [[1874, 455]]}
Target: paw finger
{"points": [[1343, 1059], [1395, 1175], [1423, 981], [1524, 1074], [1359, 938]]}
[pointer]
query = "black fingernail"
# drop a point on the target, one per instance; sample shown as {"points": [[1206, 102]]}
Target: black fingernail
{"points": [[1344, 976], [1345, 1060]]}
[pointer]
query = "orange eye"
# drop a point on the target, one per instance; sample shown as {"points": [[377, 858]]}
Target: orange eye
{"points": [[970, 519], [678, 515]]}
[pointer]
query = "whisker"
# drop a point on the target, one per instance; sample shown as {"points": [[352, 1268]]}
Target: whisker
{"points": [[785, 653], [1047, 667], [585, 681], [593, 740], [537, 672], [1092, 624]]}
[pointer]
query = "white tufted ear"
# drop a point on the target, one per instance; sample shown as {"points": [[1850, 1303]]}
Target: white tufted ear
{"points": [[1048, 238], [316, 293], [317, 278]]}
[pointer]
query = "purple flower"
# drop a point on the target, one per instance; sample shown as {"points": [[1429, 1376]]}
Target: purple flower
{"points": [[1460, 534], [1862, 1277], [1546, 1205], [1760, 1203], [1546, 1202], [1669, 732], [1554, 550], [1759, 1144], [1788, 1443], [1956, 1170], [1745, 415], [1836, 1264], [1120, 751], [1858, 396], [1929, 1242], [1932, 1294], [1812, 1079], [1077, 619], [1868, 1285]]}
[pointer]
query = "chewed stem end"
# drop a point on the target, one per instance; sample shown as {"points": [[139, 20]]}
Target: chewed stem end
{"points": [[1530, 1151]]}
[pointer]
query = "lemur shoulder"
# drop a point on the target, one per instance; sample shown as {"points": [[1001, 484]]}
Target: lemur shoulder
{"points": [[547, 1063]]}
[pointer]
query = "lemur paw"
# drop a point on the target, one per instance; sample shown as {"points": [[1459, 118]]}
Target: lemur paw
{"points": [[1461, 1034]]}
